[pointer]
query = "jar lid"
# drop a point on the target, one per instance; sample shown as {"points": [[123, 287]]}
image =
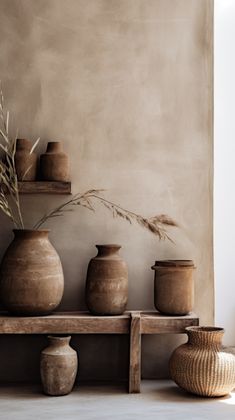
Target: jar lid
{"points": [[174, 263]]}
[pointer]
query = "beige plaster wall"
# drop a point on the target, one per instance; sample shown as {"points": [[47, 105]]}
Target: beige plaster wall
{"points": [[126, 85]]}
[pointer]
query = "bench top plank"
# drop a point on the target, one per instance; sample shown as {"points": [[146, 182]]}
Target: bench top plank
{"points": [[86, 323], [155, 323]]}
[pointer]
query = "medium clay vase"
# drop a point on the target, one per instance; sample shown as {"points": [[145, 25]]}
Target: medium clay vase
{"points": [[31, 275], [58, 366], [201, 366], [25, 162], [54, 164], [107, 282], [174, 286]]}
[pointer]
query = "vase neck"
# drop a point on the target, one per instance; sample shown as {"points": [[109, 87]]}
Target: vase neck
{"points": [[205, 336], [59, 341], [23, 144], [54, 147], [107, 250], [30, 234]]}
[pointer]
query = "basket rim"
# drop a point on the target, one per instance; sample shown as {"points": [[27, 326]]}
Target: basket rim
{"points": [[205, 329]]}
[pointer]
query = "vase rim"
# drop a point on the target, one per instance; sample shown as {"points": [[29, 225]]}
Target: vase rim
{"points": [[23, 139], [109, 245], [174, 263], [23, 144], [205, 329], [59, 338], [31, 230]]}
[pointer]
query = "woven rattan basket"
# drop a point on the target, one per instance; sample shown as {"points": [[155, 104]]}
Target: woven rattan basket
{"points": [[201, 366]]}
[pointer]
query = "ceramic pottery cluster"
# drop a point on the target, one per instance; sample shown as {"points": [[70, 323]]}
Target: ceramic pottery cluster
{"points": [[53, 166], [32, 282]]}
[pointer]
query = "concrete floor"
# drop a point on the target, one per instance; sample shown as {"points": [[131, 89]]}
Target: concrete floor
{"points": [[159, 400]]}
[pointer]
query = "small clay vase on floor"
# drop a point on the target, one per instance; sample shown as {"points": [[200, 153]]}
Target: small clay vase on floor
{"points": [[31, 274], [174, 286], [54, 164], [201, 366], [58, 366], [25, 162], [107, 282]]}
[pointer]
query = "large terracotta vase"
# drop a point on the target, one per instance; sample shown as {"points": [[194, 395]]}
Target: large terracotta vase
{"points": [[31, 275], [201, 366], [107, 282], [58, 366], [54, 164], [174, 286], [25, 161]]}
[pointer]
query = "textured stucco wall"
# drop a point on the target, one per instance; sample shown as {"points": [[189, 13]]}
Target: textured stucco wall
{"points": [[127, 86]]}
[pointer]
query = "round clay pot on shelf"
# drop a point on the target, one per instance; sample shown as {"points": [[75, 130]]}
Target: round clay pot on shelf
{"points": [[31, 274], [25, 162], [58, 366], [107, 282], [54, 164], [201, 366], [174, 286]]}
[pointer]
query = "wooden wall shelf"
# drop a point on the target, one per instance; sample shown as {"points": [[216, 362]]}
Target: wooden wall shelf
{"points": [[44, 187], [133, 323]]}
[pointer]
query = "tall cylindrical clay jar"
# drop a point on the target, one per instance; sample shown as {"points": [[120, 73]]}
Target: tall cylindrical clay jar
{"points": [[31, 274], [201, 366], [25, 161], [58, 366], [54, 164], [107, 282], [174, 286]]}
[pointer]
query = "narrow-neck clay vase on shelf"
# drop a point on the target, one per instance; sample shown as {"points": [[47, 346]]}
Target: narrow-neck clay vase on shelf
{"points": [[107, 282], [201, 366], [54, 164], [31, 274], [25, 161], [58, 366], [174, 286]]}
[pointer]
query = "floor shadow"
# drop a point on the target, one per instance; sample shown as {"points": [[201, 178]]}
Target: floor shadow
{"points": [[35, 391], [176, 394]]}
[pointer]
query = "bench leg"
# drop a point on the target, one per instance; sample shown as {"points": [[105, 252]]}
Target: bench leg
{"points": [[135, 353]]}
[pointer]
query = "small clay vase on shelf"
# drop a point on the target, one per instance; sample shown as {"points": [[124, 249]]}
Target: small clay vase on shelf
{"points": [[174, 286], [201, 366], [58, 366], [54, 164], [25, 161], [31, 274], [107, 282]]}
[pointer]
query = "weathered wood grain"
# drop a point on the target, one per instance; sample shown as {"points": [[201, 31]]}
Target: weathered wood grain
{"points": [[44, 187], [85, 323], [135, 353], [155, 323], [65, 323]]}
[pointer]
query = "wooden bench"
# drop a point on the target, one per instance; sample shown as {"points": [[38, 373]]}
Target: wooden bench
{"points": [[134, 323]]}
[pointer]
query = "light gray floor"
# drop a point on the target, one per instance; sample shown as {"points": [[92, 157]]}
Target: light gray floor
{"points": [[159, 400]]}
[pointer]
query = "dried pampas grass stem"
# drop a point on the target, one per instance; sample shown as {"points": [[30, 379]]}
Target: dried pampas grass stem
{"points": [[156, 225]]}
